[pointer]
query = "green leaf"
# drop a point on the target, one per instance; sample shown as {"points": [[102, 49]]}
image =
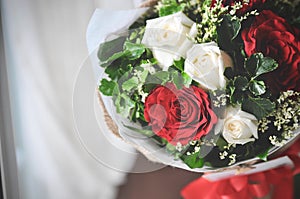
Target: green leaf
{"points": [[124, 104], [240, 83], [108, 49], [263, 156], [260, 107], [136, 50], [131, 83], [117, 69], [170, 9], [115, 57], [144, 76], [138, 112], [176, 79], [228, 31], [236, 89], [170, 148], [235, 28], [230, 87], [187, 80], [257, 87], [179, 64], [237, 97], [267, 65], [257, 65], [151, 83], [163, 76], [221, 143], [107, 87], [193, 160], [228, 72], [145, 132], [133, 35], [141, 115], [252, 63]]}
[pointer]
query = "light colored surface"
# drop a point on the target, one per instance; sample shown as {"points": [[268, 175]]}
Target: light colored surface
{"points": [[45, 46]]}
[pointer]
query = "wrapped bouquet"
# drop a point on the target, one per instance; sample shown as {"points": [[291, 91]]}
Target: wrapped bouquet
{"points": [[206, 84]]}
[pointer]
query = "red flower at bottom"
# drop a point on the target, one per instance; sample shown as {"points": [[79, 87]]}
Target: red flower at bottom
{"points": [[179, 115]]}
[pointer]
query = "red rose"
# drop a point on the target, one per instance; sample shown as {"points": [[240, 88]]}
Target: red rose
{"points": [[251, 5], [179, 115], [275, 38]]}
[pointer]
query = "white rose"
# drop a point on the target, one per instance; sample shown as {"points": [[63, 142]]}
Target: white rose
{"points": [[167, 37], [206, 63], [239, 127]]}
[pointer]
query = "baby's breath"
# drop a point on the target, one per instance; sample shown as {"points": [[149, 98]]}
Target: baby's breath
{"points": [[193, 142], [264, 125], [223, 155], [207, 28], [179, 147], [149, 67], [287, 135], [285, 118], [210, 142], [287, 114], [277, 142], [196, 146], [219, 100], [228, 146], [197, 149], [248, 14], [232, 159]]}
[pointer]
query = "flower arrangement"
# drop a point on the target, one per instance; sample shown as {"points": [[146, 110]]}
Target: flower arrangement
{"points": [[214, 83]]}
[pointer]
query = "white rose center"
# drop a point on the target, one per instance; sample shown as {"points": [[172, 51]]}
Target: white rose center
{"points": [[239, 127], [235, 128]]}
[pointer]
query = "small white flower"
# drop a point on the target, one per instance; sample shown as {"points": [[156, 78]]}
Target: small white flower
{"points": [[179, 146], [206, 63], [197, 149], [232, 159], [148, 67], [167, 37], [223, 155], [144, 95], [239, 127]]}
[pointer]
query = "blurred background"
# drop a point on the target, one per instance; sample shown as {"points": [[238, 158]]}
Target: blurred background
{"points": [[43, 45]]}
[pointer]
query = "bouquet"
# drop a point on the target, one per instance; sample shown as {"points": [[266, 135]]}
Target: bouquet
{"points": [[206, 84]]}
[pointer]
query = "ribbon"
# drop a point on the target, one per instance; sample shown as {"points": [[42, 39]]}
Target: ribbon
{"points": [[277, 183], [294, 154]]}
